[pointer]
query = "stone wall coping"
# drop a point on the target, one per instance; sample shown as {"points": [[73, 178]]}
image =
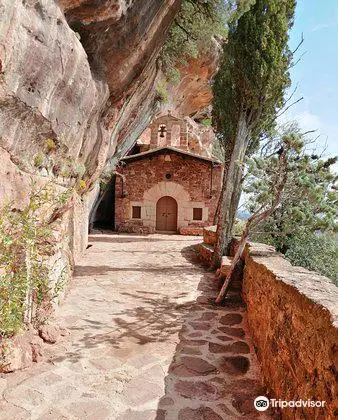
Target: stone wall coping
{"points": [[211, 228], [312, 285], [207, 246]]}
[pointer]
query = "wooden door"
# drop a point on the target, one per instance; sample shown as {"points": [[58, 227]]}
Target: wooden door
{"points": [[166, 214]]}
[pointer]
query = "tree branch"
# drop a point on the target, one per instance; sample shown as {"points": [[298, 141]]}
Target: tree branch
{"points": [[288, 107], [254, 220], [299, 44]]}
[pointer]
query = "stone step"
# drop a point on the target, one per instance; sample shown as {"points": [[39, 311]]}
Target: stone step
{"points": [[205, 252]]}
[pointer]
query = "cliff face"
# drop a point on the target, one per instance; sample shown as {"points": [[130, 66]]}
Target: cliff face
{"points": [[193, 93], [82, 93], [77, 87], [87, 89]]}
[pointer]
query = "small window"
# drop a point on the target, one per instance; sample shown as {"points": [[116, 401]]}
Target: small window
{"points": [[197, 213], [168, 176], [136, 214]]}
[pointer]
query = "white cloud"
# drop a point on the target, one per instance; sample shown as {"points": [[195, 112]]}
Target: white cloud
{"points": [[308, 121], [323, 26], [305, 120]]}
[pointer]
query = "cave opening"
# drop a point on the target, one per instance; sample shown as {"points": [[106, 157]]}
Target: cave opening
{"points": [[103, 213]]}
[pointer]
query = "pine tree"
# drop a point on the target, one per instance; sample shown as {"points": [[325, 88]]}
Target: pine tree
{"points": [[303, 225], [248, 90]]}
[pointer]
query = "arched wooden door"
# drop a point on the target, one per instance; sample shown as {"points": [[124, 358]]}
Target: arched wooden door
{"points": [[166, 214]]}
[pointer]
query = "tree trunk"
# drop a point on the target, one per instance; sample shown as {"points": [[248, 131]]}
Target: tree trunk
{"points": [[254, 220], [233, 167], [218, 206], [236, 195]]}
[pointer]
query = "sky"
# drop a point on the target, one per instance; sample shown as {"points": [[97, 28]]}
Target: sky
{"points": [[316, 75]]}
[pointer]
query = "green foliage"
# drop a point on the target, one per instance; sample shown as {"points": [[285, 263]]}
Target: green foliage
{"points": [[217, 150], [194, 29], [239, 227], [79, 170], [25, 242], [317, 252], [254, 72], [38, 160], [307, 210], [65, 172], [81, 186], [161, 93], [50, 145], [207, 122]]}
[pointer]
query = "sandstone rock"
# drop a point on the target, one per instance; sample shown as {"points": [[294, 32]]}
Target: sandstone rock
{"points": [[202, 413], [193, 366], [190, 350], [17, 352], [231, 319], [36, 347], [194, 342], [233, 331], [200, 325], [224, 338], [199, 390], [50, 333], [207, 316], [235, 365], [237, 348], [166, 401], [195, 334], [217, 348], [3, 384], [64, 332], [193, 92], [86, 409]]}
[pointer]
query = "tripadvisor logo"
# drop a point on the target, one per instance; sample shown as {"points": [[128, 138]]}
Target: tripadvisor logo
{"points": [[262, 403]]}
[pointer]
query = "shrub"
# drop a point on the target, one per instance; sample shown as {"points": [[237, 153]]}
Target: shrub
{"points": [[50, 145], [81, 185], [161, 93], [239, 227], [79, 170], [207, 122], [25, 243], [38, 160], [317, 252]]}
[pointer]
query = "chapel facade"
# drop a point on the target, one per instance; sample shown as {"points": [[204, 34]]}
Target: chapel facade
{"points": [[169, 181]]}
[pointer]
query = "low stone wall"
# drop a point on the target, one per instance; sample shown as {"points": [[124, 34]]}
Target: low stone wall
{"points": [[209, 235], [135, 226], [205, 253], [293, 318], [191, 231]]}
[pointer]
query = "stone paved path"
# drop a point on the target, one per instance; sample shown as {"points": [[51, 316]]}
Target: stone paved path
{"points": [[145, 342]]}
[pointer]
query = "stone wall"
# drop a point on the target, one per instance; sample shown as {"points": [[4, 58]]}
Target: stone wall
{"points": [[145, 183], [293, 318]]}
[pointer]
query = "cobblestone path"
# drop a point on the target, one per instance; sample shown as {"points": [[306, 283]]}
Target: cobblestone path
{"points": [[145, 342]]}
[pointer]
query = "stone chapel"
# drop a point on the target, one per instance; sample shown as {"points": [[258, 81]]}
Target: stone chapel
{"points": [[169, 181]]}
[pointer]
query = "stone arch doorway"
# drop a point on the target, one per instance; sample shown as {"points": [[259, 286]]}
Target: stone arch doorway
{"points": [[166, 214]]}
